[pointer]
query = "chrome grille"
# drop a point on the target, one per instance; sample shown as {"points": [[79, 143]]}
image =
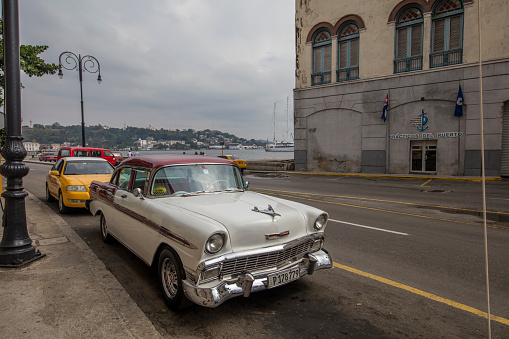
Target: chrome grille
{"points": [[266, 260]]}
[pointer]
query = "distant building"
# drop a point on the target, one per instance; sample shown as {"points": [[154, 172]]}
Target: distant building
{"points": [[351, 55], [31, 146]]}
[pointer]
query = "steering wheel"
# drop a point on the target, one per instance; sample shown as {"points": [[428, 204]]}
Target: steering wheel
{"points": [[218, 183]]}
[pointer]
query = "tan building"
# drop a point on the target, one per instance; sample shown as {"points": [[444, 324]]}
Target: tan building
{"points": [[351, 55]]}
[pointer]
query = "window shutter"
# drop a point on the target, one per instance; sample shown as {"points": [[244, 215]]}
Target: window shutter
{"points": [[327, 58], [317, 60], [343, 55], [455, 35], [402, 42], [439, 35], [416, 40], [354, 53]]}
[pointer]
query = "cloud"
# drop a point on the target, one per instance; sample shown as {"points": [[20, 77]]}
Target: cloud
{"points": [[171, 64]]}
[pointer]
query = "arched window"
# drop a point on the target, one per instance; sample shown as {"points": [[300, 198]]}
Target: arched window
{"points": [[322, 55], [348, 51], [408, 49], [447, 33]]}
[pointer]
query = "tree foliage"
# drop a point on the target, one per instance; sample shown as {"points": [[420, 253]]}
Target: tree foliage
{"points": [[119, 138]]}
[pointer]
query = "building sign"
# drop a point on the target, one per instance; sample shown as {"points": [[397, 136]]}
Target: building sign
{"points": [[425, 135], [420, 121]]}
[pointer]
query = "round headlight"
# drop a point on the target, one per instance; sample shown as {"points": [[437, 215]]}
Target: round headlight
{"points": [[320, 222], [214, 243]]}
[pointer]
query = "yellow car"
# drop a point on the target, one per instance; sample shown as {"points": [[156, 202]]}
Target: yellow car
{"points": [[241, 163], [69, 181]]}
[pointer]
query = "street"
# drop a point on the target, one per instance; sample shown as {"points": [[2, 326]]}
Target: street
{"points": [[409, 261]]}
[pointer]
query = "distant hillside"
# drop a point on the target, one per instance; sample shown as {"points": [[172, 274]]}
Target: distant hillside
{"points": [[119, 138]]}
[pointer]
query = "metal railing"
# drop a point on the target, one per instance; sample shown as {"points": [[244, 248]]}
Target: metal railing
{"points": [[446, 58], [321, 78], [408, 64], [345, 74]]}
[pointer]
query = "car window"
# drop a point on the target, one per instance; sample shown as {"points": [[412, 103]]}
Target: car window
{"points": [[95, 154], [64, 152], [58, 165], [107, 154], [87, 168], [124, 177], [140, 178], [81, 154], [194, 178]]}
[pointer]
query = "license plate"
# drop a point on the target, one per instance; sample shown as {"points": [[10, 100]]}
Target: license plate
{"points": [[283, 277]]}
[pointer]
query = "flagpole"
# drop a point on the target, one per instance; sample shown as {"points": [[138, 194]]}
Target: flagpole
{"points": [[388, 131]]}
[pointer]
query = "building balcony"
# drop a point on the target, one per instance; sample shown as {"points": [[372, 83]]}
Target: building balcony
{"points": [[408, 64], [345, 74], [321, 78], [446, 58]]}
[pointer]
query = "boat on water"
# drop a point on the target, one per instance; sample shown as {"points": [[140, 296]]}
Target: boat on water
{"points": [[283, 146], [280, 147]]}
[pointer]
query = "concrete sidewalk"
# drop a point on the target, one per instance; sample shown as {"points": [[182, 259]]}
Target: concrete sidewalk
{"points": [[69, 293]]}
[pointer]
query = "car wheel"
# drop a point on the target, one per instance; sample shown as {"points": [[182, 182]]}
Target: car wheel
{"points": [[107, 238], [171, 274], [49, 197], [61, 207]]}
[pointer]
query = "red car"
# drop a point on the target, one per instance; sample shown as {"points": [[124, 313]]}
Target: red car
{"points": [[87, 152], [48, 156]]}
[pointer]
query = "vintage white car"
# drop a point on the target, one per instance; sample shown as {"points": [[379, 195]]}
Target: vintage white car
{"points": [[210, 238]]}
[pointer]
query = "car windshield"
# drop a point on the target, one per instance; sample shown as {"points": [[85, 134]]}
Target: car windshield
{"points": [[196, 178], [88, 167]]}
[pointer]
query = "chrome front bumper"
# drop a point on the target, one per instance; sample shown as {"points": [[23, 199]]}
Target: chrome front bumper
{"points": [[248, 283]]}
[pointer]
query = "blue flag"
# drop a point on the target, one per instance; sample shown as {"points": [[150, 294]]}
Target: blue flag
{"points": [[458, 111], [386, 107]]}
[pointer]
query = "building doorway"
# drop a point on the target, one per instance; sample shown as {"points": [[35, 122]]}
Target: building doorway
{"points": [[424, 156]]}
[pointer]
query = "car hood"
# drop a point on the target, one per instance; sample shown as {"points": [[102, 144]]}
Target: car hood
{"points": [[87, 179], [247, 229]]}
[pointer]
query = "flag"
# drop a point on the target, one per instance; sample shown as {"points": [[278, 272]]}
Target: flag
{"points": [[386, 107], [458, 111]]}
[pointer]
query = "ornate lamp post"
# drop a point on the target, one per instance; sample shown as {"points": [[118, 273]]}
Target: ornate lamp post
{"points": [[16, 247], [87, 63]]}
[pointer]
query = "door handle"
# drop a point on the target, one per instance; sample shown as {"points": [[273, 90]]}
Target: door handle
{"points": [[123, 196]]}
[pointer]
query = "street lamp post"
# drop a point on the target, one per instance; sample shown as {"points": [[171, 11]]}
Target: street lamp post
{"points": [[87, 63], [16, 247]]}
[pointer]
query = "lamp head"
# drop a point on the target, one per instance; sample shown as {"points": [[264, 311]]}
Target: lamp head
{"points": [[99, 80], [60, 74]]}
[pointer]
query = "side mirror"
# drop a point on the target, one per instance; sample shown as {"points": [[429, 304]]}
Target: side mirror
{"points": [[55, 173], [246, 185], [137, 193]]}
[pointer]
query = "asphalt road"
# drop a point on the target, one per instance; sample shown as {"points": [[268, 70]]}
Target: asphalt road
{"points": [[409, 262]]}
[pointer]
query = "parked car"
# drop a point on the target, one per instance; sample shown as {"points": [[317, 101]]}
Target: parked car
{"points": [[118, 157], [210, 239], [69, 181], [87, 152], [241, 163], [48, 156]]}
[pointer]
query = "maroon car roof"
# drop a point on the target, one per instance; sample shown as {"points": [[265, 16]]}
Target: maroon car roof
{"points": [[158, 160]]}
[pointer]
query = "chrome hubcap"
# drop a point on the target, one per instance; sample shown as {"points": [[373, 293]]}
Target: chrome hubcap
{"points": [[169, 276]]}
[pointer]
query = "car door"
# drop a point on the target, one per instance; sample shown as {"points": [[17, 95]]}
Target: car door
{"points": [[54, 180], [131, 217]]}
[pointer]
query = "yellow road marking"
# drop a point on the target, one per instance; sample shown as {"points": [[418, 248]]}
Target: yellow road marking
{"points": [[388, 211], [424, 294], [426, 183], [376, 200]]}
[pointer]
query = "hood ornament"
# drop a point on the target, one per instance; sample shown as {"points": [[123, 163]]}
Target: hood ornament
{"points": [[270, 211]]}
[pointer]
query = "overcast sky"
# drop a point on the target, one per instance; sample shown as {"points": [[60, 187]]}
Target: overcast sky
{"points": [[172, 64]]}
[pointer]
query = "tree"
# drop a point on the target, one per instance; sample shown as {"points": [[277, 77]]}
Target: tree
{"points": [[30, 62]]}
